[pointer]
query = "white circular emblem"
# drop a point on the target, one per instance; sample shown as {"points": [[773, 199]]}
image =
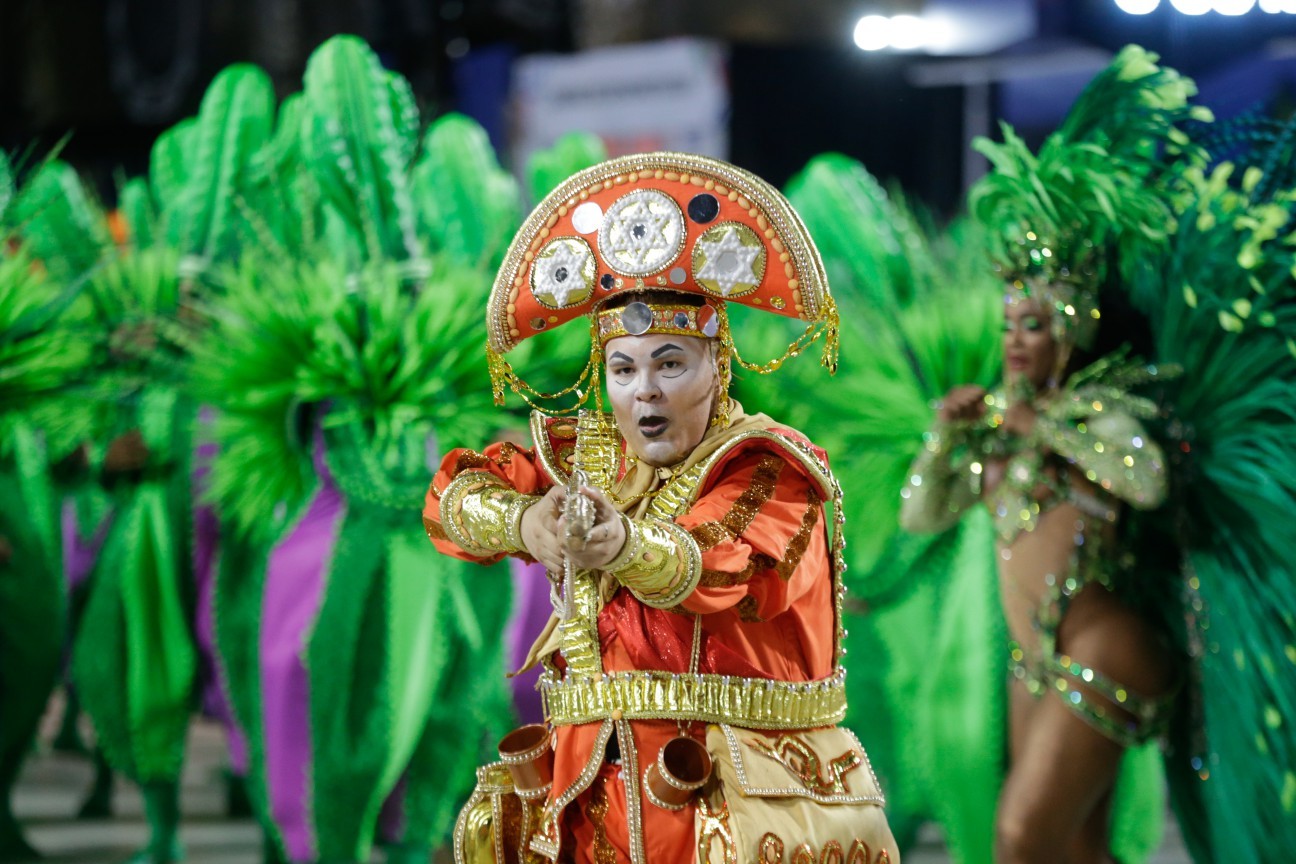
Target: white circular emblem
{"points": [[729, 260], [642, 233], [587, 218], [562, 274]]}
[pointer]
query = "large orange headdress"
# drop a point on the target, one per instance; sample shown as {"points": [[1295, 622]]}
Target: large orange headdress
{"points": [[659, 222]]}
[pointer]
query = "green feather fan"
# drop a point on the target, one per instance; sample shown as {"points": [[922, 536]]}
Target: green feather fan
{"points": [[1096, 182], [233, 123], [396, 362], [468, 205], [571, 153], [61, 222], [359, 133], [41, 352], [1222, 300]]}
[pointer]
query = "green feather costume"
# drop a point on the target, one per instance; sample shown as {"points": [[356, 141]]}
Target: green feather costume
{"points": [[343, 337], [42, 356]]}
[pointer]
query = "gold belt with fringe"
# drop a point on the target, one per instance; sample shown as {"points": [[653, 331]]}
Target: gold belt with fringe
{"points": [[757, 703]]}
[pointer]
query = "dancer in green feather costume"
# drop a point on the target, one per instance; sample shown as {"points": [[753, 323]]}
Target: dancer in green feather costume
{"points": [[931, 313], [1100, 645], [41, 357], [343, 338]]}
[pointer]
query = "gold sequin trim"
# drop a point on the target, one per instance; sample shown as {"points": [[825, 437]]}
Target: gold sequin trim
{"points": [[803, 763], [434, 529], [710, 535], [634, 804], [469, 459], [598, 810], [547, 841], [665, 566], [713, 825], [800, 541], [747, 609], [770, 849], [871, 796], [761, 490], [860, 853], [482, 515], [507, 451], [757, 563]]}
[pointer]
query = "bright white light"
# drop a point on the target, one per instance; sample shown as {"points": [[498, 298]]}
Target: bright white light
{"points": [[908, 32], [941, 33], [1192, 7], [1234, 7], [1273, 7], [873, 32], [1137, 7]]}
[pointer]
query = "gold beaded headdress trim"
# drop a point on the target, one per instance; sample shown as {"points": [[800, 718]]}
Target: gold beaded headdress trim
{"points": [[655, 221], [641, 319]]}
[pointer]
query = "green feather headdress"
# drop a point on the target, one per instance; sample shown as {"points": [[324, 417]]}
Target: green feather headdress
{"points": [[1099, 182]]}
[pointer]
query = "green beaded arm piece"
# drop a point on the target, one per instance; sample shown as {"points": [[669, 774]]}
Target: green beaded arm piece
{"points": [[1109, 445], [942, 483]]}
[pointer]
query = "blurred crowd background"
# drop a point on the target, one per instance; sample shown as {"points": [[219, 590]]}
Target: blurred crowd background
{"points": [[901, 85]]}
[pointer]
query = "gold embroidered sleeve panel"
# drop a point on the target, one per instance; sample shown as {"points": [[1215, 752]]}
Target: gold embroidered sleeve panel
{"points": [[943, 481], [660, 563], [1111, 448], [482, 515]]}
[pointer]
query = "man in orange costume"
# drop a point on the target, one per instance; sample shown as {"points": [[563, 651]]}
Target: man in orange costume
{"points": [[697, 596]]}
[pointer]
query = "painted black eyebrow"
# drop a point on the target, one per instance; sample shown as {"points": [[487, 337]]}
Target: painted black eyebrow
{"points": [[669, 346], [617, 355]]}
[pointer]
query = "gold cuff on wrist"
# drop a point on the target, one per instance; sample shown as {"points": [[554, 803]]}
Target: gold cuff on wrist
{"points": [[482, 515], [660, 562]]}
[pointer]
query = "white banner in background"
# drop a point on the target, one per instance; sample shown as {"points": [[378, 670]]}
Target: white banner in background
{"points": [[669, 95]]}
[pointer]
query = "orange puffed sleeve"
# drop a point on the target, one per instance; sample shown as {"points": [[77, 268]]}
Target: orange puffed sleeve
{"points": [[760, 528], [507, 464]]}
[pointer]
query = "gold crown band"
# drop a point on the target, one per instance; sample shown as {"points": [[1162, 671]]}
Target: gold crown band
{"points": [[641, 319]]}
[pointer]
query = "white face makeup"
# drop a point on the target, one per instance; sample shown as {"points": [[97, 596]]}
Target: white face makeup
{"points": [[1029, 349], [663, 389]]}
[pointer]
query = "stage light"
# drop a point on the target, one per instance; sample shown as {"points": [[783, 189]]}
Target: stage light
{"points": [[1234, 7], [908, 32], [1192, 7], [873, 32], [1138, 7]]}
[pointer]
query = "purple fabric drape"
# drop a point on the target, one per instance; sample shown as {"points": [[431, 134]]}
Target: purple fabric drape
{"points": [[294, 594], [531, 611], [79, 553], [212, 680]]}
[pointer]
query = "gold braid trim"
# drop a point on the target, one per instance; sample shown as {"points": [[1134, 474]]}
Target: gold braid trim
{"points": [[434, 529], [800, 541], [482, 515], [663, 564], [764, 480], [757, 703], [710, 535]]}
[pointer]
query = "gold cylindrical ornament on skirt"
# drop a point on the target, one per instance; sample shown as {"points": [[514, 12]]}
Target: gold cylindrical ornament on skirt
{"points": [[682, 768], [528, 754]]}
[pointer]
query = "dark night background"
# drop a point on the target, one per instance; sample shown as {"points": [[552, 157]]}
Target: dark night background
{"points": [[114, 73]]}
